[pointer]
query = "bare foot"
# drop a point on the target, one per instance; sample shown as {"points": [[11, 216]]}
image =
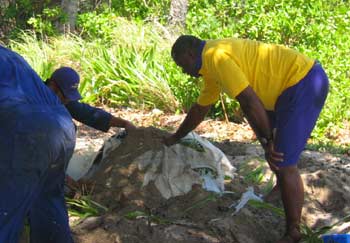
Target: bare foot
{"points": [[286, 239], [294, 236]]}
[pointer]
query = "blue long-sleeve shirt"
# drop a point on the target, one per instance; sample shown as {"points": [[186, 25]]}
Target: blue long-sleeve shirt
{"points": [[91, 116]]}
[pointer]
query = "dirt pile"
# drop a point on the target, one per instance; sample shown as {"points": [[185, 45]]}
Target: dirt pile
{"points": [[140, 214]]}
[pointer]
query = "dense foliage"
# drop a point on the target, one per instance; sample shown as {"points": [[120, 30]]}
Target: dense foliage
{"points": [[122, 48]]}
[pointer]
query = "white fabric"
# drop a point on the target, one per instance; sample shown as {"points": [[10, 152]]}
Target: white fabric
{"points": [[173, 169], [80, 164], [84, 155]]}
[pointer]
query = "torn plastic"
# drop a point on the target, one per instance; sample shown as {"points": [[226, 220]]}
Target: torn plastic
{"points": [[248, 195]]}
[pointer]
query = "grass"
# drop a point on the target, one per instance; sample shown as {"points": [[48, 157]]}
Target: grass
{"points": [[198, 204], [148, 216], [84, 207], [314, 235], [267, 206], [330, 147], [125, 73], [127, 63], [256, 174], [127, 76], [38, 53], [309, 235]]}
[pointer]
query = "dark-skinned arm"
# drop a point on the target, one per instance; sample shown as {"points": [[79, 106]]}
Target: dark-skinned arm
{"points": [[120, 122], [255, 113], [194, 117], [259, 121]]}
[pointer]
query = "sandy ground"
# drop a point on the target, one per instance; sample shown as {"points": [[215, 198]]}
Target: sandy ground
{"points": [[140, 214]]}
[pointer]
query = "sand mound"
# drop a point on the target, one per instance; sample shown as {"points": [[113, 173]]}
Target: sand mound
{"points": [[198, 216], [140, 214]]}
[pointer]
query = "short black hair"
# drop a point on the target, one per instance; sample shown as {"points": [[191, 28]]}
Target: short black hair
{"points": [[183, 44]]}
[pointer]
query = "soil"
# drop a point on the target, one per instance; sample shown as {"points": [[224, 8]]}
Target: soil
{"points": [[140, 214]]}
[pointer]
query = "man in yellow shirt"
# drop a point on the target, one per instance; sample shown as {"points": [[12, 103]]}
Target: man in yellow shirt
{"points": [[278, 89]]}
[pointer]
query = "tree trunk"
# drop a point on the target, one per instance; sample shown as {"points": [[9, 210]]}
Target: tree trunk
{"points": [[6, 23], [177, 16], [70, 7]]}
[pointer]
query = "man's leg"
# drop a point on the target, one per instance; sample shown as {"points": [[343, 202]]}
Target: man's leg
{"points": [[48, 217], [292, 193], [18, 191], [297, 111], [274, 195]]}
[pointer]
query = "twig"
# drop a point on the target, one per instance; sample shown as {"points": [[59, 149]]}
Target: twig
{"points": [[224, 108]]}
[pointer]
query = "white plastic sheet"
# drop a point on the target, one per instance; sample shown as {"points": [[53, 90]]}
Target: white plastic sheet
{"points": [[248, 195]]}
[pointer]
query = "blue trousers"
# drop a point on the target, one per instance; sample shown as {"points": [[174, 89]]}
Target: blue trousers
{"points": [[35, 148]]}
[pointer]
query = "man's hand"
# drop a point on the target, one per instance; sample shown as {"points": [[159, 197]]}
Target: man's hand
{"points": [[120, 122], [258, 119], [129, 126], [272, 157], [170, 140], [193, 118]]}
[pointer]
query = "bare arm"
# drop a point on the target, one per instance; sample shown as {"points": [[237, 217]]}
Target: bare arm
{"points": [[194, 117], [255, 113], [259, 121]]}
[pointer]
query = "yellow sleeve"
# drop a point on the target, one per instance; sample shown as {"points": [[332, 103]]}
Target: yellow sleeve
{"points": [[231, 77], [209, 93]]}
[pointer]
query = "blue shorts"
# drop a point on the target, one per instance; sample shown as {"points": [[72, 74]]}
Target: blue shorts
{"points": [[296, 112]]}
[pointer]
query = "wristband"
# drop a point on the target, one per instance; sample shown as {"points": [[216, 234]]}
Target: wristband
{"points": [[265, 141]]}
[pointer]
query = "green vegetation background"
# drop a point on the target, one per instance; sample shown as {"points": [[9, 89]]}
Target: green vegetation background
{"points": [[121, 50]]}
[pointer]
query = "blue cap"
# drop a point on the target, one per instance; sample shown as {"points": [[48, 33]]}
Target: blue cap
{"points": [[67, 79]]}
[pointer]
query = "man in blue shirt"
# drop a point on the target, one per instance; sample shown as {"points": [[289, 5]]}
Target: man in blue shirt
{"points": [[64, 83], [37, 139]]}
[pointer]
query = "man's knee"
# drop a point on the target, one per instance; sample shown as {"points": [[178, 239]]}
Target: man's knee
{"points": [[288, 170]]}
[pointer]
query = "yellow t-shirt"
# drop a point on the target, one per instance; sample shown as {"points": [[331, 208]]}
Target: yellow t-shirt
{"points": [[230, 65]]}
